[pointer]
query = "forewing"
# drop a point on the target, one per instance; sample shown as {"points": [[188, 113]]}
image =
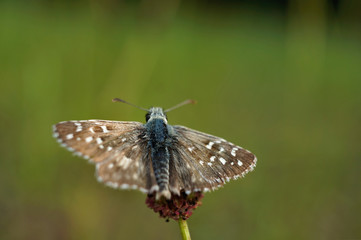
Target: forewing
{"points": [[117, 148], [207, 161]]}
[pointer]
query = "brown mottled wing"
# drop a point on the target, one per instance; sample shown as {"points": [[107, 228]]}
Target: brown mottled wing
{"points": [[202, 162], [117, 148]]}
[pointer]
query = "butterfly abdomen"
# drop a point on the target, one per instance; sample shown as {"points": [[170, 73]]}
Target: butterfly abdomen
{"points": [[160, 163]]}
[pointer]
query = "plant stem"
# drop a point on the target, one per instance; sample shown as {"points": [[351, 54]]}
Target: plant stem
{"points": [[184, 229]]}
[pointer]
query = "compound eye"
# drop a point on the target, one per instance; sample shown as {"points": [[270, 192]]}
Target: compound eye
{"points": [[147, 116]]}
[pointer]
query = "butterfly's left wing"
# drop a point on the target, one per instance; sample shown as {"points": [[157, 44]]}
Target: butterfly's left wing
{"points": [[117, 148], [203, 162]]}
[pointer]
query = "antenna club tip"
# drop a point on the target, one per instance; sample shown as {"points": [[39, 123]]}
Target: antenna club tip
{"points": [[116, 100], [192, 101]]}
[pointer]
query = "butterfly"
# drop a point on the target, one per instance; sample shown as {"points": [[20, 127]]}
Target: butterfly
{"points": [[155, 157]]}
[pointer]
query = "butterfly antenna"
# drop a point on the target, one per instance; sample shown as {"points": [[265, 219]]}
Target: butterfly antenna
{"points": [[131, 104], [181, 104]]}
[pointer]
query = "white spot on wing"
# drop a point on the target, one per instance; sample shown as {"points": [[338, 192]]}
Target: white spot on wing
{"points": [[88, 139], [111, 184], [233, 152], [105, 130], [70, 149], [124, 186], [251, 168], [100, 179], [124, 139], [221, 150], [69, 136], [239, 163], [125, 162], [223, 161], [201, 163], [79, 128], [210, 144], [143, 190], [78, 154], [109, 148], [91, 129], [212, 158], [190, 149], [99, 140]]}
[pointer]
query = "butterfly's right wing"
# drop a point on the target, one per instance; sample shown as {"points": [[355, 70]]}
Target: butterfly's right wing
{"points": [[203, 162], [117, 148]]}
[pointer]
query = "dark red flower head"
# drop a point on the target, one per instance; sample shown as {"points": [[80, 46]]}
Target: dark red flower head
{"points": [[178, 206]]}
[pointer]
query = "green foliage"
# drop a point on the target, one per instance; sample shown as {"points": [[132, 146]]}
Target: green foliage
{"points": [[287, 89]]}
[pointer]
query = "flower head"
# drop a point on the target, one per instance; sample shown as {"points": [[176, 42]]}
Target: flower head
{"points": [[177, 207]]}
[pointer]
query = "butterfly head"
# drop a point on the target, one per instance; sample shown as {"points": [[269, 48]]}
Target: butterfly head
{"points": [[156, 113]]}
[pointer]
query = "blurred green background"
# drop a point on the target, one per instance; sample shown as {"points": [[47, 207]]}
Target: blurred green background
{"points": [[281, 78]]}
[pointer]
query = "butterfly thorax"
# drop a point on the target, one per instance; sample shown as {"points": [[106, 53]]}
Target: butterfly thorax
{"points": [[157, 130], [158, 142]]}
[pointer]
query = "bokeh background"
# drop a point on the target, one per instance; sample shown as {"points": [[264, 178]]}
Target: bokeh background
{"points": [[281, 78]]}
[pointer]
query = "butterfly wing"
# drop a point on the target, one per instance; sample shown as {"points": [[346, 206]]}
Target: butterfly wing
{"points": [[117, 148], [199, 161], [202, 162]]}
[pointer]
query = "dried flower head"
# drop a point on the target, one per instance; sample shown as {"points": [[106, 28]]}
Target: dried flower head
{"points": [[177, 207]]}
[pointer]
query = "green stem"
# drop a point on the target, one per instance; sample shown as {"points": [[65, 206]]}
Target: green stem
{"points": [[184, 229]]}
